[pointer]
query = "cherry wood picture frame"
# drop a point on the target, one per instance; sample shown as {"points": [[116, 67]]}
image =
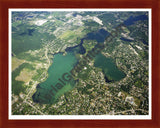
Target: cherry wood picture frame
{"points": [[4, 63]]}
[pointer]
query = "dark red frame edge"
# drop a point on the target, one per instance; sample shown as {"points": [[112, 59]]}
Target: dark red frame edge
{"points": [[6, 4]]}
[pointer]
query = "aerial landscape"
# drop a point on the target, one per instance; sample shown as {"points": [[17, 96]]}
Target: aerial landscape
{"points": [[80, 62]]}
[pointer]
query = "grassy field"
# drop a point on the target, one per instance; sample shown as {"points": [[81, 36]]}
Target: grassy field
{"points": [[16, 63], [25, 75], [18, 86], [73, 34]]}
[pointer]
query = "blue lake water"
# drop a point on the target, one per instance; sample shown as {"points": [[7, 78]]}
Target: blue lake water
{"points": [[99, 36], [77, 49], [132, 19], [144, 42]]}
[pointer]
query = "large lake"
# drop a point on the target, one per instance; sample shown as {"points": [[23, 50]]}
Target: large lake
{"points": [[61, 64], [109, 68]]}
